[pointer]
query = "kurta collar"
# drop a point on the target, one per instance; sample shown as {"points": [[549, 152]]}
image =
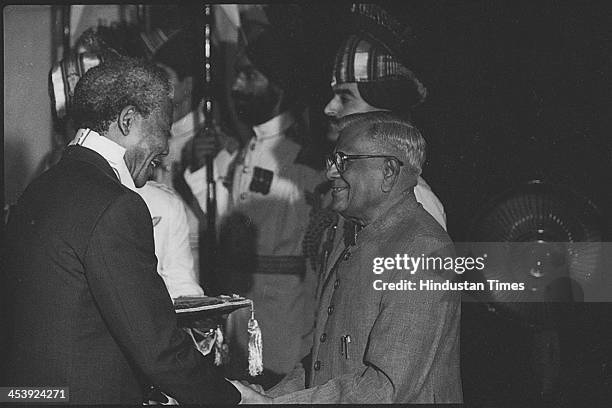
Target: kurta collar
{"points": [[111, 151], [274, 127]]}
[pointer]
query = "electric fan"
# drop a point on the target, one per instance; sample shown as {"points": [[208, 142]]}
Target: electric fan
{"points": [[545, 237]]}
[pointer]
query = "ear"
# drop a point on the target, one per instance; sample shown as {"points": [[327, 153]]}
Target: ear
{"points": [[126, 118], [390, 171]]}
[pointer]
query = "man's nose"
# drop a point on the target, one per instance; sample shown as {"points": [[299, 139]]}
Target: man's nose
{"points": [[332, 172], [331, 109]]}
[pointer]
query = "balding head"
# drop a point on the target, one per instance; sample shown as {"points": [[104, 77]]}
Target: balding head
{"points": [[390, 134]]}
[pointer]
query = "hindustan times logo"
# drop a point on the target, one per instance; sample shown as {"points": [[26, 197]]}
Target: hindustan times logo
{"points": [[411, 264]]}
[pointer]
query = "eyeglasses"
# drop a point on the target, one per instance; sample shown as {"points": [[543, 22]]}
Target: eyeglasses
{"points": [[340, 159]]}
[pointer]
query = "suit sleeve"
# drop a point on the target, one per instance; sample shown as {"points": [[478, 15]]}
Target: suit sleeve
{"points": [[402, 346], [120, 267]]}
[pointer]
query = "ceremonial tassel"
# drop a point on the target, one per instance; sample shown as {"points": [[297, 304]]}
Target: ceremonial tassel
{"points": [[255, 346], [218, 346]]}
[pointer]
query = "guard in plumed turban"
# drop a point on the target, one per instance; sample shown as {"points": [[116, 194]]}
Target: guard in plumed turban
{"points": [[374, 58], [383, 81]]}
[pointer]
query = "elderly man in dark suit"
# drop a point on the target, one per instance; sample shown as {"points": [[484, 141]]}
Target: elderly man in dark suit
{"points": [[371, 344], [88, 309]]}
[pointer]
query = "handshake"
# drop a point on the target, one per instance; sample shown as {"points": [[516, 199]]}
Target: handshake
{"points": [[251, 393]]}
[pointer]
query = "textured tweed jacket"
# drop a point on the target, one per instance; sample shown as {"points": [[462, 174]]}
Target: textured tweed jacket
{"points": [[384, 346]]}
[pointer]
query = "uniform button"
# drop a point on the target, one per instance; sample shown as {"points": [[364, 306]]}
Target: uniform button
{"points": [[243, 196], [336, 283], [252, 146], [323, 338], [317, 365], [347, 256], [245, 169], [330, 309]]}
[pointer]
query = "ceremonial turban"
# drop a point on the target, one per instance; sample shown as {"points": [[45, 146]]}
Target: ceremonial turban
{"points": [[370, 58]]}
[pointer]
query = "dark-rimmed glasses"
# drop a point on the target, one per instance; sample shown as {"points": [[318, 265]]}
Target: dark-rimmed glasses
{"points": [[339, 159]]}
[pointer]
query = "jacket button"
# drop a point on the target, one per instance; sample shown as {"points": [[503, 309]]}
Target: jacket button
{"points": [[243, 196], [330, 310], [347, 256], [323, 338], [336, 283], [317, 365]]}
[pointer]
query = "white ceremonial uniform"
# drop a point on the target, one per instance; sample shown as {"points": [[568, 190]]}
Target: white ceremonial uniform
{"points": [[174, 260], [171, 233], [269, 188], [183, 130], [430, 201], [284, 205]]}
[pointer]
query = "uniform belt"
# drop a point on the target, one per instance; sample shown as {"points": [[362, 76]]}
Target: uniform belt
{"points": [[280, 265]]}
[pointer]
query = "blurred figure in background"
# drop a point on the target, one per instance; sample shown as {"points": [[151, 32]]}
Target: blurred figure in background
{"points": [[179, 53], [268, 180]]}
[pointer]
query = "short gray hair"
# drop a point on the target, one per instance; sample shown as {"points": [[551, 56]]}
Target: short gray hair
{"points": [[106, 89], [395, 134]]}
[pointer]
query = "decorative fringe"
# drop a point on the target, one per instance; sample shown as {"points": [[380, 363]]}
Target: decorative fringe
{"points": [[255, 346], [218, 346]]}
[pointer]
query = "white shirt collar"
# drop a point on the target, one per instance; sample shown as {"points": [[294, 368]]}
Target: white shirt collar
{"points": [[274, 127], [111, 151]]}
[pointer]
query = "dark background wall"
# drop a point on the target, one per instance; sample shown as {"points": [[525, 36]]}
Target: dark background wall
{"points": [[518, 90]]}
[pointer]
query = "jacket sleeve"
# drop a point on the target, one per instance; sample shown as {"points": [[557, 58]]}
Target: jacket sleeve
{"points": [[120, 268], [402, 346]]}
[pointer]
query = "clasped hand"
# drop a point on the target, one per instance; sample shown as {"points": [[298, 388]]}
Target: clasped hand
{"points": [[251, 393]]}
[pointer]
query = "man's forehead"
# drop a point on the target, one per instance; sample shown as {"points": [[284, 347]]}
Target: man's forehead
{"points": [[347, 88]]}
